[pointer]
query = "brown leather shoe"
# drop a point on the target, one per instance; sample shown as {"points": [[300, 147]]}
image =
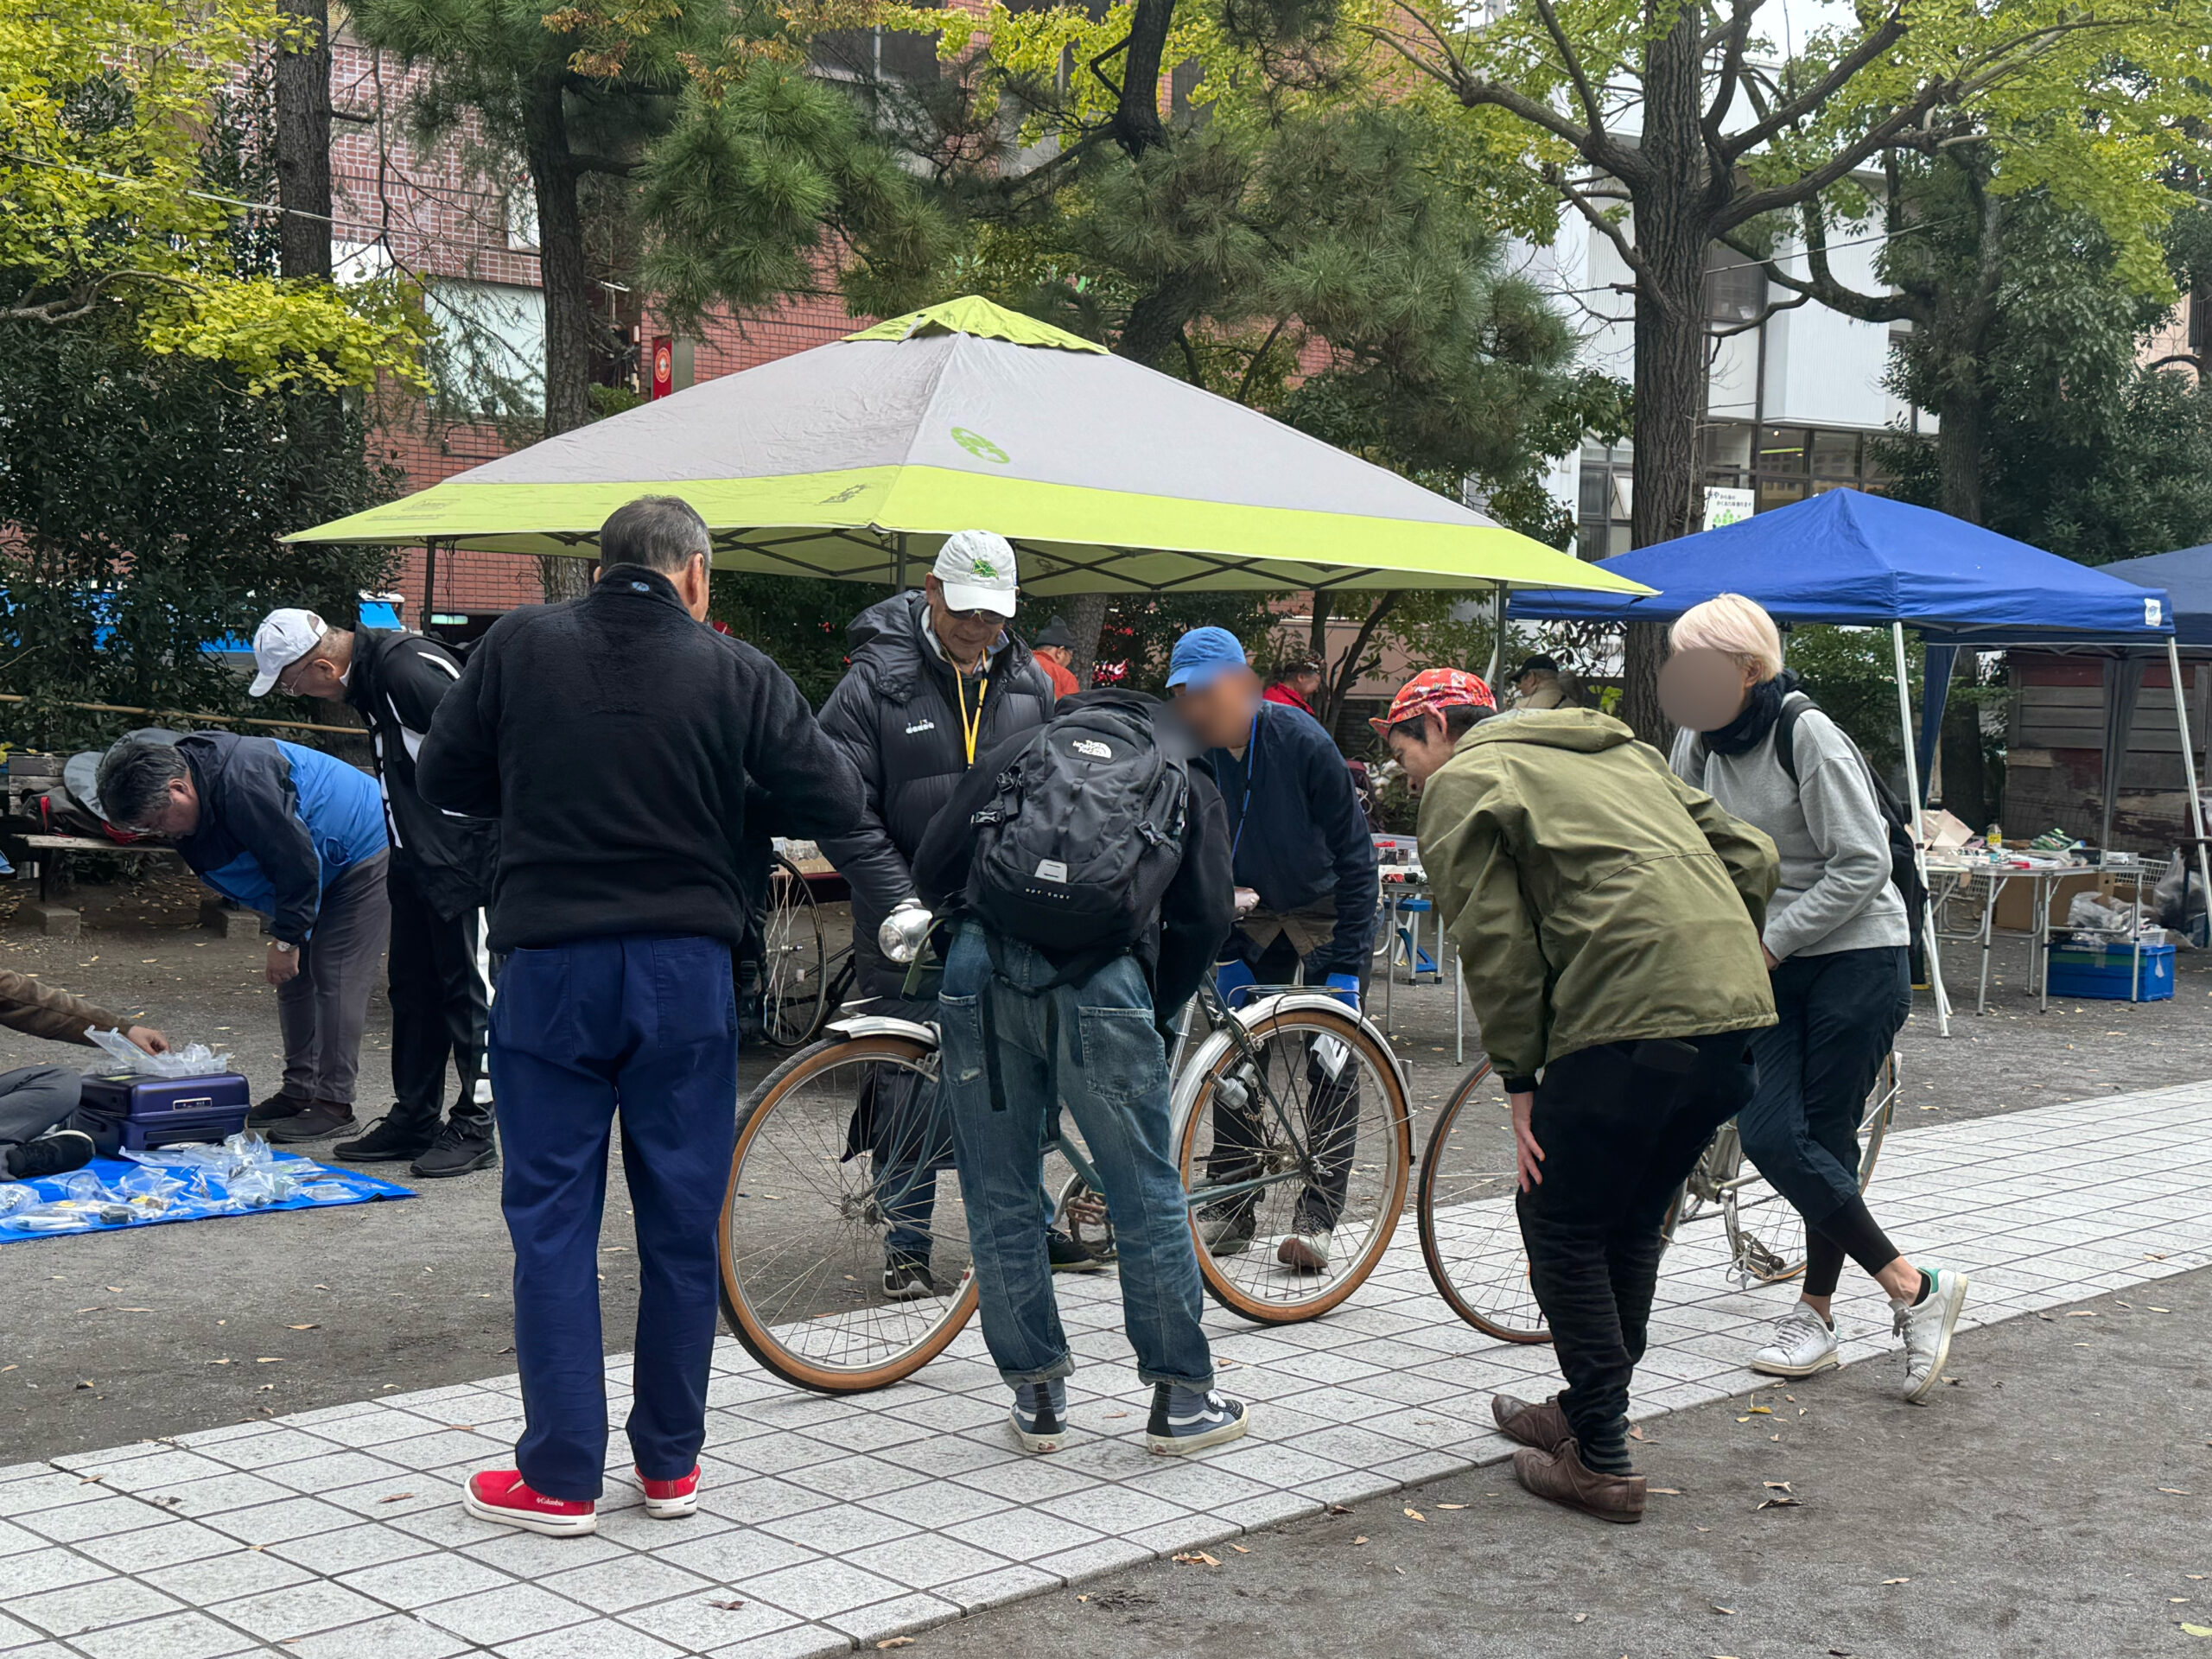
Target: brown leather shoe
{"points": [[1543, 1426], [1560, 1477]]}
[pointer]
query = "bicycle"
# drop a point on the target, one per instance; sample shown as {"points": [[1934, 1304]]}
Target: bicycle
{"points": [[1470, 1233], [842, 1150], [801, 979]]}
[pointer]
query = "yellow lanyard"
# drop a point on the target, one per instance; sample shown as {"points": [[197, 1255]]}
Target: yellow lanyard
{"points": [[971, 729]]}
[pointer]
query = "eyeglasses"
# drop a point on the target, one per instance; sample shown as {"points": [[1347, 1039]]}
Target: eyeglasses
{"points": [[978, 614]]}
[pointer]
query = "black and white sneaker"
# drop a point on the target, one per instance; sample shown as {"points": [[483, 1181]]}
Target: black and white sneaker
{"points": [[58, 1153], [1068, 1257], [906, 1278], [1040, 1416], [1190, 1420]]}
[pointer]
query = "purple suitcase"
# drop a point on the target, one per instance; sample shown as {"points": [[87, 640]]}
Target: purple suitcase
{"points": [[144, 1113]]}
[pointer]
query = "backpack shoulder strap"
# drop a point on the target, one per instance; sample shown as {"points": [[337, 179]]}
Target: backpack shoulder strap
{"points": [[1785, 731]]}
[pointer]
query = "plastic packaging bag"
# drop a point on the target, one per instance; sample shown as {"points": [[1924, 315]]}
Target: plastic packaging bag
{"points": [[15, 1196], [192, 1060]]}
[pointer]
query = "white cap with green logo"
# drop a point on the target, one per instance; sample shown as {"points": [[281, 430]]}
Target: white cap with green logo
{"points": [[977, 570]]}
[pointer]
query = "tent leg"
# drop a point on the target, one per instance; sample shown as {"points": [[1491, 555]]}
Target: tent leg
{"points": [[1498, 638], [1919, 850], [2188, 770]]}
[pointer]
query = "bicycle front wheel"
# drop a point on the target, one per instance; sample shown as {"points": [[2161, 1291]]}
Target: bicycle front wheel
{"points": [[845, 1244], [1296, 1159], [1470, 1230], [1766, 1235]]}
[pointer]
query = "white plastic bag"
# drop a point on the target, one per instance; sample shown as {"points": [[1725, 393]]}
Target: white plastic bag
{"points": [[192, 1060]]}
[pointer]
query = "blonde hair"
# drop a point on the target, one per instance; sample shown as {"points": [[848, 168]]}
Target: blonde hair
{"points": [[1732, 624]]}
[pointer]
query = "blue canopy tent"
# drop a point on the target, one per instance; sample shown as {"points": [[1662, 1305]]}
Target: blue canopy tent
{"points": [[1844, 556]]}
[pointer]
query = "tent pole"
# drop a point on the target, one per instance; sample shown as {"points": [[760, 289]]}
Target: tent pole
{"points": [[2188, 770], [1498, 642], [899, 570], [429, 582], [1919, 846]]}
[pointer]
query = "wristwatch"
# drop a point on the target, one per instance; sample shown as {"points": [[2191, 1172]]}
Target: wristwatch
{"points": [[287, 947]]}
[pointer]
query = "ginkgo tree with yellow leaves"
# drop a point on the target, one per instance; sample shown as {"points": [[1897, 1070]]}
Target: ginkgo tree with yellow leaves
{"points": [[104, 215]]}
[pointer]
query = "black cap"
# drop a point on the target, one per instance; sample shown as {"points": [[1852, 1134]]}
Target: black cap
{"points": [[1055, 633], [1538, 664]]}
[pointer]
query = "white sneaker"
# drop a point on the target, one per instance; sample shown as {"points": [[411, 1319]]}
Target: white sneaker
{"points": [[1800, 1343], [1926, 1326], [1305, 1252]]}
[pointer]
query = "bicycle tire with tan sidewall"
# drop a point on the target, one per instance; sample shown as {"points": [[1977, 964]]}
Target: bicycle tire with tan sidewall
{"points": [[1355, 1036], [785, 1082]]}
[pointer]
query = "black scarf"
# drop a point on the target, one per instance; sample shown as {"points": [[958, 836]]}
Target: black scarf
{"points": [[1749, 729]]}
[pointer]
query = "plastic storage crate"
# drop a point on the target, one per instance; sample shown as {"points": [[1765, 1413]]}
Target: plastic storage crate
{"points": [[2107, 972]]}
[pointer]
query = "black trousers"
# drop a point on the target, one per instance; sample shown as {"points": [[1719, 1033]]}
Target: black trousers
{"points": [[440, 1003], [1620, 1125]]}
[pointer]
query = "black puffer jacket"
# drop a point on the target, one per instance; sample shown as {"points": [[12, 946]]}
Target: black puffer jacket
{"points": [[897, 715]]}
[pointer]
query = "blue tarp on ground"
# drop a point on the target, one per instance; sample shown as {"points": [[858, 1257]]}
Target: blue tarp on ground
{"points": [[322, 1186], [1849, 557], [2185, 578]]}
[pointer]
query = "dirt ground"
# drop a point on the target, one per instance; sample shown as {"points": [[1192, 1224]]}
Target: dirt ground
{"points": [[112, 1337]]}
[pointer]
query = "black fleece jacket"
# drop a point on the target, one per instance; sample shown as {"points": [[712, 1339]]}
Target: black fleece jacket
{"points": [[614, 738], [1195, 912]]}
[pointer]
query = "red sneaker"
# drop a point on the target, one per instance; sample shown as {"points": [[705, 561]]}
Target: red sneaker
{"points": [[671, 1500], [500, 1495]]}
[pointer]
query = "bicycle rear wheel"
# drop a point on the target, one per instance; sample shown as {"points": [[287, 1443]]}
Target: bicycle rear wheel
{"points": [[1470, 1231], [838, 1143], [794, 988], [1297, 1162], [1766, 1235]]}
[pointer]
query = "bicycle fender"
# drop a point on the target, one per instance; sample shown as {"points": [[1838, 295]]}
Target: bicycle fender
{"points": [[1323, 999], [882, 1025]]}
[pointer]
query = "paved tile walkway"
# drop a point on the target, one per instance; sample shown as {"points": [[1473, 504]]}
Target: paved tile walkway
{"points": [[831, 1523]]}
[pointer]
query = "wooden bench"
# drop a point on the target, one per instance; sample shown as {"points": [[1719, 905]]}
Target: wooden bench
{"points": [[61, 921]]}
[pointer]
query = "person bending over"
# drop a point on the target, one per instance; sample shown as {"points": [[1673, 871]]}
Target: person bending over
{"points": [[1615, 911], [1103, 811]]}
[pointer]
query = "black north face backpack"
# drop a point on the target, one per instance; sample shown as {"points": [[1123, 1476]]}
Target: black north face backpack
{"points": [[1078, 849]]}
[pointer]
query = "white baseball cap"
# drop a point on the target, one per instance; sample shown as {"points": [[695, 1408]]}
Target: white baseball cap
{"points": [[977, 569], [282, 639]]}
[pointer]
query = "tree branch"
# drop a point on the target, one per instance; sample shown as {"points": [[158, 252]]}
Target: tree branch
{"points": [[1737, 36], [1571, 60], [1791, 110], [1556, 177], [79, 301], [1252, 369], [1759, 321]]}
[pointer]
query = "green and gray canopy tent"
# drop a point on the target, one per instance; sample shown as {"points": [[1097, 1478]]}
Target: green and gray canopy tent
{"points": [[857, 459]]}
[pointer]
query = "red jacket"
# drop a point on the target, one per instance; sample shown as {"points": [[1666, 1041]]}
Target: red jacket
{"points": [[1063, 682], [1282, 694]]}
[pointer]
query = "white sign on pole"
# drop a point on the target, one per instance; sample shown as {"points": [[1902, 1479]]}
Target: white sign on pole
{"points": [[1726, 505]]}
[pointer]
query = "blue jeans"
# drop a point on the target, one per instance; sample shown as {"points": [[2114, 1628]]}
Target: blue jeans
{"points": [[1092, 1045], [645, 1026], [1838, 1015]]}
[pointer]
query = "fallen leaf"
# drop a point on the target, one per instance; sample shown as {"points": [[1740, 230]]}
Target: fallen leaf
{"points": [[1781, 1501], [1451, 1506], [395, 1497], [1578, 1617], [1340, 1509], [1776, 1485], [268, 1359], [2196, 1629], [1411, 1514], [1636, 1431], [2161, 1310], [1664, 1491], [1082, 1597], [2176, 1491], [83, 1384], [1240, 1549], [1196, 1558], [1360, 1540], [303, 1327], [1762, 1411], [1896, 1580], [116, 1290], [1718, 1608], [894, 1642], [1117, 1414], [727, 1606], [2083, 1314]]}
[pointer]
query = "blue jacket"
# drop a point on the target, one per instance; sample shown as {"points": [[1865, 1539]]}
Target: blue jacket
{"points": [[278, 823], [1307, 838]]}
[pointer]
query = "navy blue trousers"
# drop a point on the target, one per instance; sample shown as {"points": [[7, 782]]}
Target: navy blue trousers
{"points": [[642, 1027]]}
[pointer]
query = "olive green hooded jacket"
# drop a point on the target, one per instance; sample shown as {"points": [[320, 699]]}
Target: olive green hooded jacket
{"points": [[1594, 896]]}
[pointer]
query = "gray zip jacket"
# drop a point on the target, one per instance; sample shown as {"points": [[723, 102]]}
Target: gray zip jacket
{"points": [[1835, 891]]}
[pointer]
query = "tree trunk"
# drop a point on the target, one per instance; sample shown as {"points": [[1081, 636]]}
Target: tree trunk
{"points": [[303, 79], [1337, 687], [1960, 430], [566, 280], [1086, 616], [1672, 222], [1317, 636], [1136, 125]]}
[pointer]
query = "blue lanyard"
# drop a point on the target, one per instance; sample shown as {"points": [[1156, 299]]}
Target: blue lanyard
{"points": [[1251, 771]]}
